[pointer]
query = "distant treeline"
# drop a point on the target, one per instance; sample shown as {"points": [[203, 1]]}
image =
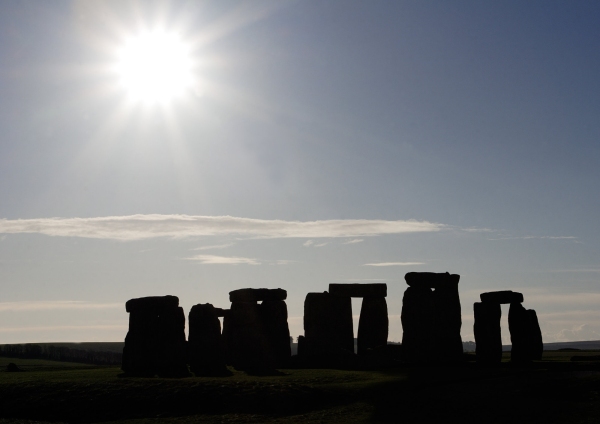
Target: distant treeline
{"points": [[60, 353]]}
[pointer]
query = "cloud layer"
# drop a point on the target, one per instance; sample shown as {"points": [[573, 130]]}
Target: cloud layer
{"points": [[223, 260], [139, 227]]}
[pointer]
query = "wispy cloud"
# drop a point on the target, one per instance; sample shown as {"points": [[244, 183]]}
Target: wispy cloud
{"points": [[223, 260], [140, 227], [354, 241], [394, 263], [284, 262], [308, 243], [536, 238], [47, 305], [321, 244], [214, 246]]}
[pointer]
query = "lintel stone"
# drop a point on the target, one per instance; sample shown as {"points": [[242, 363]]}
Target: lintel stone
{"points": [[358, 290]]}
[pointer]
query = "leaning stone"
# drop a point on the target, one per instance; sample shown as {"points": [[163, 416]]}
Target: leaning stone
{"points": [[373, 325], [536, 344], [488, 338], [525, 334], [502, 297], [430, 280], [257, 295], [152, 303], [358, 290]]}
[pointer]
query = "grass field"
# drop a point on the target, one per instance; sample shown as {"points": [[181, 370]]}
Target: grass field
{"points": [[551, 391]]}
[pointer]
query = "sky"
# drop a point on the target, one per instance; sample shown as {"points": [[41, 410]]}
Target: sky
{"points": [[307, 143]]}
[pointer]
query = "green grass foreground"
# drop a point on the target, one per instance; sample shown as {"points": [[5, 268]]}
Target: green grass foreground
{"points": [[555, 390]]}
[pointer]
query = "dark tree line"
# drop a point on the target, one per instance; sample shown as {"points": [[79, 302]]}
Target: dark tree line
{"points": [[60, 353]]}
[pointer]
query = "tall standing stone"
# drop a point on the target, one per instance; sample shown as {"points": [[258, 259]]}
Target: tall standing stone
{"points": [[206, 354], [246, 344], [328, 325], [488, 337], [525, 334], [275, 325], [431, 317], [418, 324], [448, 320], [373, 325], [536, 343], [172, 346], [257, 335]]}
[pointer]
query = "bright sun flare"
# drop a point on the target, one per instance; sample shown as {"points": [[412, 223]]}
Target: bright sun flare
{"points": [[155, 67]]}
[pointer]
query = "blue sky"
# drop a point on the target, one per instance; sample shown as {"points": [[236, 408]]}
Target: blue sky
{"points": [[320, 142]]}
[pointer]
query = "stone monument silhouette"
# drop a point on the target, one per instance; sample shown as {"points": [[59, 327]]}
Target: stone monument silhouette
{"points": [[431, 318], [525, 333]]}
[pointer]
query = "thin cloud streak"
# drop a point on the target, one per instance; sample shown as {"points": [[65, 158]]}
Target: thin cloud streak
{"points": [[394, 264], [141, 227], [55, 305], [223, 260], [354, 241], [214, 247]]}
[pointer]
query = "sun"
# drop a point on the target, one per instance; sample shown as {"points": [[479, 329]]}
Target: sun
{"points": [[155, 67]]}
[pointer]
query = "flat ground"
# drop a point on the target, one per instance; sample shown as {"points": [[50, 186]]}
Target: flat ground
{"points": [[555, 390]]}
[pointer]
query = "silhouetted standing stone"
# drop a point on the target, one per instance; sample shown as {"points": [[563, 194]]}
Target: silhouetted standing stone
{"points": [[448, 320], [172, 346], [246, 341], [488, 338], [431, 320], [373, 325], [525, 334], [275, 325], [254, 333], [206, 354], [155, 341], [418, 324], [536, 342], [327, 324]]}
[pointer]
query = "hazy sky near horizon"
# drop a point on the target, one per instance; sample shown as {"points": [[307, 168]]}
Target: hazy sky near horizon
{"points": [[319, 142]]}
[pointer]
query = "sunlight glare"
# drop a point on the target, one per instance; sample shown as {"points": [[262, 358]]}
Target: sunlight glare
{"points": [[155, 67]]}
